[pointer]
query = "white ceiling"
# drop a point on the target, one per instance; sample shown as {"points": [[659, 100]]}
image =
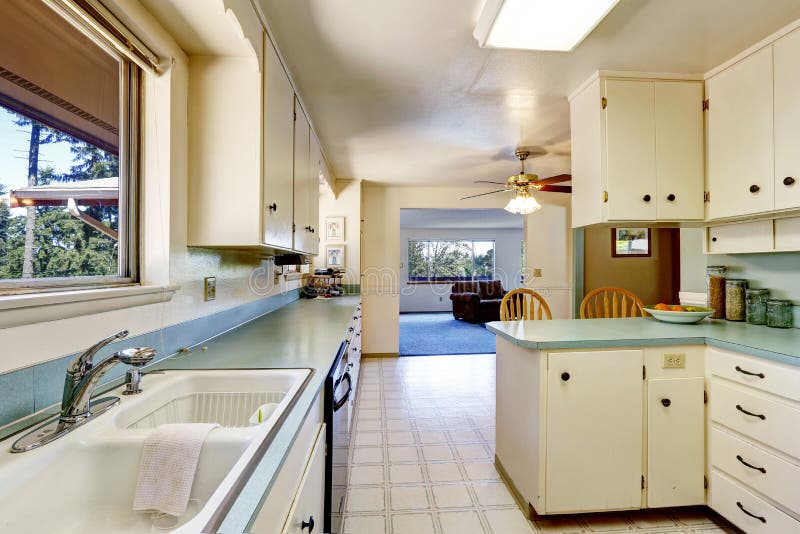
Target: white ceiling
{"points": [[459, 218], [400, 93]]}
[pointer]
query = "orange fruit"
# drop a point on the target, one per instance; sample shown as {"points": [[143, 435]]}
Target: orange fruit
{"points": [[677, 307], [661, 307]]}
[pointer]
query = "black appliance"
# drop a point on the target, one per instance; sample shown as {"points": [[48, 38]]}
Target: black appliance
{"points": [[338, 416]]}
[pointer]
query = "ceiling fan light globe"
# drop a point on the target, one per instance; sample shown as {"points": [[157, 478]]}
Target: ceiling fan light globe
{"points": [[523, 205]]}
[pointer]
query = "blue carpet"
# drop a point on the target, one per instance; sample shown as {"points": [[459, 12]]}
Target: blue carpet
{"points": [[426, 334]]}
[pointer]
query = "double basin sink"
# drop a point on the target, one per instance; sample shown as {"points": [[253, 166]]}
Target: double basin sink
{"points": [[85, 481]]}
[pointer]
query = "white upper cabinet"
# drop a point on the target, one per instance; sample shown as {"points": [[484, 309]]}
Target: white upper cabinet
{"points": [[630, 150], [315, 171], [637, 150], [741, 156], [787, 121], [278, 151], [680, 156], [302, 223]]}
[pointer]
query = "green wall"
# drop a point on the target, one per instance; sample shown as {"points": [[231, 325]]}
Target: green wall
{"points": [[779, 272]]}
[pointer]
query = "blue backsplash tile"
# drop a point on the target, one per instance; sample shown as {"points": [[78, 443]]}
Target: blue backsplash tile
{"points": [[34, 388], [16, 392]]}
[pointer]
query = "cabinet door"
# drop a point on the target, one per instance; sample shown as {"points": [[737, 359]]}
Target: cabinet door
{"points": [[679, 150], [675, 442], [302, 222], [740, 138], [309, 503], [594, 431], [787, 121], [278, 150], [630, 150], [755, 236], [314, 174]]}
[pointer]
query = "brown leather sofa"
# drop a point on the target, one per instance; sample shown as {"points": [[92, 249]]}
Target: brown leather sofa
{"points": [[477, 302]]}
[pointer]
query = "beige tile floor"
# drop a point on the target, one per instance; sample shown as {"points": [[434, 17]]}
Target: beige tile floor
{"points": [[422, 460]]}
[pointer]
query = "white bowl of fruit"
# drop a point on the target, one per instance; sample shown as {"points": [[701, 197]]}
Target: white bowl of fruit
{"points": [[678, 314]]}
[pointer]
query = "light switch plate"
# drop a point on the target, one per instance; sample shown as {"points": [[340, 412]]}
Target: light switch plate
{"points": [[209, 288], [674, 361]]}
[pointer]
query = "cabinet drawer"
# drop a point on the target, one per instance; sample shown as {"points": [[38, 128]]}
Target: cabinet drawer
{"points": [[787, 233], [756, 236], [733, 502], [772, 377], [771, 422], [766, 473]]}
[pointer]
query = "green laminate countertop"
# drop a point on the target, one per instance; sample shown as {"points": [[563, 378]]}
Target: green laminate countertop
{"points": [[303, 334], [773, 343]]}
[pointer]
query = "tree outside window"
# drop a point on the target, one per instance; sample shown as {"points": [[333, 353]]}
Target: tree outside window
{"points": [[450, 260]]}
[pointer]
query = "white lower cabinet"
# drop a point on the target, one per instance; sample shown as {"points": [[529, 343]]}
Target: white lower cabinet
{"points": [[675, 442], [594, 431], [754, 451], [307, 512], [297, 492], [747, 510]]}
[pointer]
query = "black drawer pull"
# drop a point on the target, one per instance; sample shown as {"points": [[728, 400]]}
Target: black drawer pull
{"points": [[749, 373], [714, 239], [308, 524], [788, 181], [759, 415], [671, 197], [646, 198], [754, 516], [754, 188], [751, 466], [273, 207], [666, 403], [565, 376]]}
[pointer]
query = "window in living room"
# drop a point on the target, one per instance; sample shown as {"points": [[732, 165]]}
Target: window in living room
{"points": [[450, 260]]}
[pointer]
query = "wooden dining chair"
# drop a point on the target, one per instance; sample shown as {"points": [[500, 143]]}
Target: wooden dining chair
{"points": [[611, 303], [521, 305]]}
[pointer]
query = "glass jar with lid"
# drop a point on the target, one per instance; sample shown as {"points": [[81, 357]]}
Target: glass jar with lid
{"points": [[780, 313], [734, 299], [756, 305]]}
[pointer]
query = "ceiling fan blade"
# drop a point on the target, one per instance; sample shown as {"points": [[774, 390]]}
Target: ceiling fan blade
{"points": [[482, 194], [485, 182], [556, 188], [555, 179]]}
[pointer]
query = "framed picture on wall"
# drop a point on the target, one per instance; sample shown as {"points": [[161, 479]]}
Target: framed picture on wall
{"points": [[334, 256], [631, 242], [334, 228]]}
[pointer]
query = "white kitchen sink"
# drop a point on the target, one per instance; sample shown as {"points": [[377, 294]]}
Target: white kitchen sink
{"points": [[85, 481]]}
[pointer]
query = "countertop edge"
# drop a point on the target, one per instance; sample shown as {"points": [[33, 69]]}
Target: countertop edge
{"points": [[651, 342]]}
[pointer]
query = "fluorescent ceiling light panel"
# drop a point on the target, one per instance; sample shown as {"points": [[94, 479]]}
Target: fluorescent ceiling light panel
{"points": [[555, 25]]}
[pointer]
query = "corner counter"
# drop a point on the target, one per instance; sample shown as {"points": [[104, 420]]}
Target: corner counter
{"points": [[777, 344]]}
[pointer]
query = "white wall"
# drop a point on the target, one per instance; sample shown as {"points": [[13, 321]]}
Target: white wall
{"points": [[546, 233], [436, 297], [165, 257], [345, 201]]}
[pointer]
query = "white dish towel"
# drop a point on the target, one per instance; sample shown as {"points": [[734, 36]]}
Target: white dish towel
{"points": [[169, 462]]}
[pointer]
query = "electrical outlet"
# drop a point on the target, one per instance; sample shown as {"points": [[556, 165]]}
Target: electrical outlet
{"points": [[537, 273], [209, 288], [674, 361]]}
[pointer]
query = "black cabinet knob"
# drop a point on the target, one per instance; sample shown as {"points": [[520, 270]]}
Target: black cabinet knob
{"points": [[714, 239], [788, 181], [646, 198], [666, 403], [273, 207], [565, 376], [308, 524], [754, 188], [671, 197]]}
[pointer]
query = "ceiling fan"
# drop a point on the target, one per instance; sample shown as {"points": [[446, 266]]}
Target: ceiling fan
{"points": [[523, 186]]}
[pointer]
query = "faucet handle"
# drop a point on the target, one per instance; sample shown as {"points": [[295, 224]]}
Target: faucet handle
{"points": [[84, 362]]}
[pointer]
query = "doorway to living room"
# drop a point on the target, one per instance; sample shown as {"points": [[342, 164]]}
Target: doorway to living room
{"points": [[455, 265]]}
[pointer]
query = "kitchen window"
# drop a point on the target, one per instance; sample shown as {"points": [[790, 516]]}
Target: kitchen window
{"points": [[435, 261], [69, 122]]}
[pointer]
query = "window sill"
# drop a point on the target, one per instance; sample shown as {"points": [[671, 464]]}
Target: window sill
{"points": [[23, 309]]}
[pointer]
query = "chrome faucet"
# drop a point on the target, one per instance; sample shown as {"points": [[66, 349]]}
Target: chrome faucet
{"points": [[82, 377]]}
